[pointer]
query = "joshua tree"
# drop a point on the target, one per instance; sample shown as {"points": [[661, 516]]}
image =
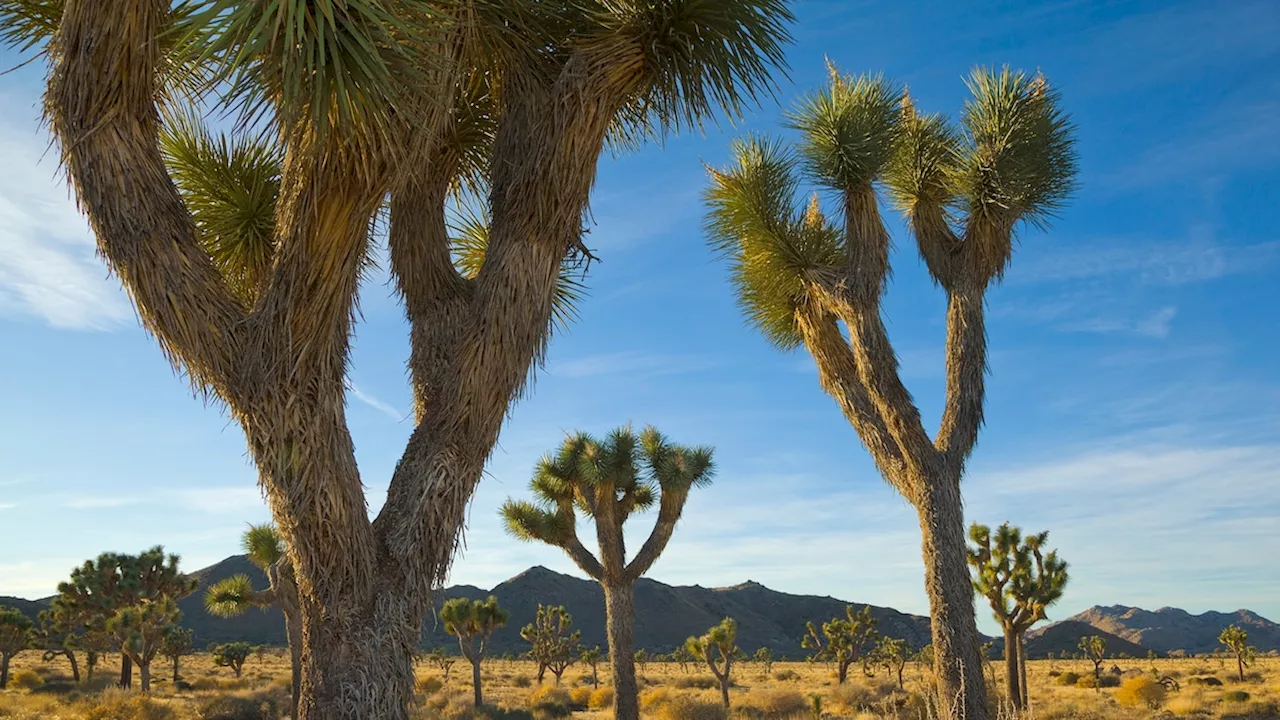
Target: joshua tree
{"points": [[800, 275], [1094, 649], [369, 100], [1236, 640], [232, 596], [442, 660], [1020, 582], [718, 649], [555, 646], [892, 654], [140, 631], [58, 635], [608, 480], [16, 635], [101, 588], [764, 656], [683, 656], [232, 655], [592, 657], [842, 642], [641, 658], [473, 621], [177, 643]]}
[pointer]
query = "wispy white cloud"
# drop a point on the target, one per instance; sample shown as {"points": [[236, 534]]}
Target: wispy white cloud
{"points": [[383, 407], [47, 266], [1157, 325], [631, 362], [1163, 262], [97, 502], [231, 498], [8, 506]]}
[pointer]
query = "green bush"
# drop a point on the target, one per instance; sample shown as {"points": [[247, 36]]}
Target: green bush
{"points": [[700, 682], [522, 681], [1087, 681], [1109, 681], [1235, 696], [1208, 680], [26, 680], [119, 705], [1068, 679], [683, 707], [258, 706], [785, 675]]}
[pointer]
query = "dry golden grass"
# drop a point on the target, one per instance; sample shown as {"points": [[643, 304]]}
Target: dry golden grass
{"points": [[667, 693]]}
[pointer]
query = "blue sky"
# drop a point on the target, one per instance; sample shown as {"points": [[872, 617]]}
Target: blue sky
{"points": [[1134, 404]]}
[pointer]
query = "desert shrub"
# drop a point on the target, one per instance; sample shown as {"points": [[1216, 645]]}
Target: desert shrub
{"points": [[700, 682], [522, 681], [1054, 673], [1185, 704], [1087, 681], [54, 688], [1068, 679], [785, 675], [268, 705], [851, 698], [1255, 710], [120, 705], [580, 696], [463, 711], [683, 707], [26, 680], [772, 704], [1110, 681], [1208, 680], [1235, 696], [654, 698], [1141, 691], [428, 685], [550, 701], [601, 699]]}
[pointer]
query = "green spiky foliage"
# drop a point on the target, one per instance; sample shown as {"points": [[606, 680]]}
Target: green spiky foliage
{"points": [[177, 643], [231, 655], [140, 632], [100, 588], [891, 654], [1020, 581], [814, 274], [843, 641], [607, 480], [472, 622], [591, 657], [764, 656], [1094, 649], [718, 649], [555, 644], [59, 634], [370, 106], [16, 634], [1236, 640]]}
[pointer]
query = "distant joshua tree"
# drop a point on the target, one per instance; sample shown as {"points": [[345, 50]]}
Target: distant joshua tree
{"points": [[233, 596], [232, 655], [177, 643], [816, 278], [1236, 640], [16, 635], [608, 480], [1019, 581], [592, 657], [140, 631], [892, 654], [764, 656], [842, 641], [473, 621], [718, 649], [555, 644], [1094, 649], [442, 660]]}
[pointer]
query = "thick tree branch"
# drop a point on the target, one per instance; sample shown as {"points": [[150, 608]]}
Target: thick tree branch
{"points": [[670, 508], [966, 374]]}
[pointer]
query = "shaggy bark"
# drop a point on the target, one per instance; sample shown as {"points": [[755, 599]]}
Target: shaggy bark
{"points": [[1011, 667], [126, 671], [144, 675], [619, 604]]}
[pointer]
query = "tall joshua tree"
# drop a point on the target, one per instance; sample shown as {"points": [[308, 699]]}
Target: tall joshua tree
{"points": [[232, 596], [718, 649], [803, 274], [608, 480], [842, 642], [16, 635], [1020, 582], [368, 101], [1236, 639], [472, 622]]}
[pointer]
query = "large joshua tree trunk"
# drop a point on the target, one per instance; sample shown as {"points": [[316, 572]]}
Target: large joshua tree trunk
{"points": [[144, 675], [1011, 669], [620, 617], [1022, 670], [126, 671]]}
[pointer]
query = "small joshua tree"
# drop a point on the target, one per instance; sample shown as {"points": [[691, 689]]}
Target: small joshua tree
{"points": [[473, 621], [16, 635], [555, 645], [442, 660], [1094, 649], [177, 643], [718, 649], [591, 657], [1236, 640], [265, 548], [682, 656], [608, 480], [140, 631], [642, 661], [892, 654], [842, 641], [816, 279], [764, 656], [232, 655], [1019, 581]]}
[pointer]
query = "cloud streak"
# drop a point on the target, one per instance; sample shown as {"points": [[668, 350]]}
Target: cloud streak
{"points": [[383, 407]]}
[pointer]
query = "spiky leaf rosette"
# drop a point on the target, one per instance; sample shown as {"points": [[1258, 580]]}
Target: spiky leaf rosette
{"points": [[773, 250], [263, 544], [231, 596], [848, 130]]}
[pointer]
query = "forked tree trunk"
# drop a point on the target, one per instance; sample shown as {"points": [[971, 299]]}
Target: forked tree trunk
{"points": [[957, 645], [1013, 678], [144, 675], [126, 671], [620, 616], [842, 670]]}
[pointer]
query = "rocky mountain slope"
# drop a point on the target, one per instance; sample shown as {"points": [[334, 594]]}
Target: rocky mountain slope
{"points": [[1169, 629]]}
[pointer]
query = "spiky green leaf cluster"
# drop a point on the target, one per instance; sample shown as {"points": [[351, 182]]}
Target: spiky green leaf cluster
{"points": [[29, 24], [263, 544], [16, 632], [230, 597], [467, 618], [848, 130]]}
